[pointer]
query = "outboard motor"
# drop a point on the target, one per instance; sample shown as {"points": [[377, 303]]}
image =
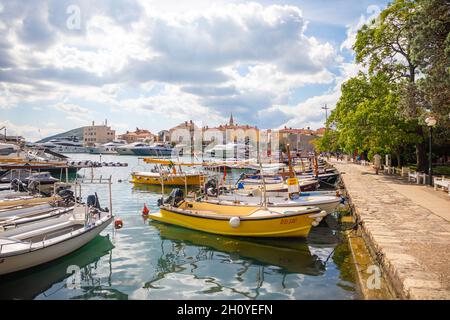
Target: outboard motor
{"points": [[92, 201], [66, 194], [211, 188], [175, 198], [18, 186], [33, 186]]}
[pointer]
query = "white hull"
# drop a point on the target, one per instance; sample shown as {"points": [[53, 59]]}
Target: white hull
{"points": [[125, 151], [21, 261], [329, 204], [65, 149], [102, 150]]}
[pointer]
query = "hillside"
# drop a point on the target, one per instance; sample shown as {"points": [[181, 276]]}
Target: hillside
{"points": [[78, 132]]}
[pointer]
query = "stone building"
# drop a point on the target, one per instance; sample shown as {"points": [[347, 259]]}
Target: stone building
{"points": [[95, 134], [137, 135]]}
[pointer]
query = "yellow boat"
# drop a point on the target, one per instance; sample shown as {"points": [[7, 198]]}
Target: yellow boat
{"points": [[240, 220], [170, 179]]}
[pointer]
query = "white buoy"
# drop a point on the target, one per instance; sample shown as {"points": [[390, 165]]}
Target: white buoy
{"points": [[235, 222], [315, 223]]}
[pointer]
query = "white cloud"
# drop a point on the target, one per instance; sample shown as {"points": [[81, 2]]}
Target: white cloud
{"points": [[70, 108], [208, 58], [352, 29], [30, 132]]}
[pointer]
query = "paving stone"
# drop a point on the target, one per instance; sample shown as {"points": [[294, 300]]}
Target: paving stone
{"points": [[412, 235]]}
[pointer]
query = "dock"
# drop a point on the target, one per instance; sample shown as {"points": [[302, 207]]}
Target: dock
{"points": [[406, 228]]}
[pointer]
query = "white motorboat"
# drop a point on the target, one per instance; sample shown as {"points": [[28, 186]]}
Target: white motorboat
{"points": [[329, 203], [107, 148], [7, 149], [231, 150], [44, 241], [35, 235], [19, 217], [128, 149], [65, 145]]}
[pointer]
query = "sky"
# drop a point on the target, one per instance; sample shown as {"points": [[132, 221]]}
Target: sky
{"points": [[155, 64]]}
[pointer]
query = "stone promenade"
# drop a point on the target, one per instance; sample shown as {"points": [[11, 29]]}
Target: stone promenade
{"points": [[408, 228]]}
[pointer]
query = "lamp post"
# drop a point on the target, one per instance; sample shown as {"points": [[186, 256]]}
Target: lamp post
{"points": [[431, 122]]}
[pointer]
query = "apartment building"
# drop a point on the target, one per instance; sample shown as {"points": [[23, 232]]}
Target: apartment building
{"points": [[98, 134]]}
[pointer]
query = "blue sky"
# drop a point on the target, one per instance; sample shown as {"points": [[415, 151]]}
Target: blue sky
{"points": [[155, 64]]}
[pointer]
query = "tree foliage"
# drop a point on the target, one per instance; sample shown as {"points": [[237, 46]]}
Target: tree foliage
{"points": [[430, 51], [366, 117], [406, 50]]}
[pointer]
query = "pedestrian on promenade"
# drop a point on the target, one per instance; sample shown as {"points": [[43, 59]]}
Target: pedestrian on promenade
{"points": [[377, 162]]}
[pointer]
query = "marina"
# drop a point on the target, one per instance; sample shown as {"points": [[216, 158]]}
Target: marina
{"points": [[148, 256], [235, 152]]}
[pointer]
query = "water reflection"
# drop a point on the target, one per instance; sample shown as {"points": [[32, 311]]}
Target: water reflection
{"points": [[156, 261], [290, 255], [28, 284], [185, 251]]}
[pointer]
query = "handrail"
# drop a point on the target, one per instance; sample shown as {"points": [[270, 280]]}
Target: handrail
{"points": [[15, 242], [49, 234]]}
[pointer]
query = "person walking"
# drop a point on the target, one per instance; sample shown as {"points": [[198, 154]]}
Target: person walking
{"points": [[377, 162]]}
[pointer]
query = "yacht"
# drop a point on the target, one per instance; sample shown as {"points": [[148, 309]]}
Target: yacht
{"points": [[107, 148], [230, 150], [155, 150], [7, 148], [65, 145], [128, 149]]}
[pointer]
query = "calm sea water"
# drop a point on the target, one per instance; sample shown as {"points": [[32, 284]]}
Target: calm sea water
{"points": [[149, 260]]}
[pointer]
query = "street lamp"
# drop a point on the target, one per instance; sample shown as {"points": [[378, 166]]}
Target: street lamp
{"points": [[431, 122]]}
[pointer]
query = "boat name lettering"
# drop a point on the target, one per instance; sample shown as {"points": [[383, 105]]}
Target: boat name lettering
{"points": [[288, 221]]}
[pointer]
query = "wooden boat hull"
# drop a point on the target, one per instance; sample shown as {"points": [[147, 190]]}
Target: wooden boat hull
{"points": [[24, 201], [289, 225], [190, 180]]}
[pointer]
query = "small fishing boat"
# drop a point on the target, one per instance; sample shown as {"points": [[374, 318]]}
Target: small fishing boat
{"points": [[44, 241], [165, 172], [325, 179], [170, 179], [237, 220], [304, 185], [13, 217], [43, 277], [328, 203], [25, 201]]}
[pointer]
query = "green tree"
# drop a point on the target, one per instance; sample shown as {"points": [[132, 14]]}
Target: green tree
{"points": [[328, 142], [384, 46], [430, 51], [367, 119]]}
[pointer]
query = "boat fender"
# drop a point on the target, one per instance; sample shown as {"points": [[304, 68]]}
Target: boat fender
{"points": [[118, 223], [235, 222], [315, 223], [145, 210]]}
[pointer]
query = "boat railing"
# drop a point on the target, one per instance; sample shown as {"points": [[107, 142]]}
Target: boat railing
{"points": [[56, 232], [15, 242]]}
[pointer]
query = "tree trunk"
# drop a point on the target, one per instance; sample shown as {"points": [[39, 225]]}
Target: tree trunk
{"points": [[420, 151], [399, 159]]}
